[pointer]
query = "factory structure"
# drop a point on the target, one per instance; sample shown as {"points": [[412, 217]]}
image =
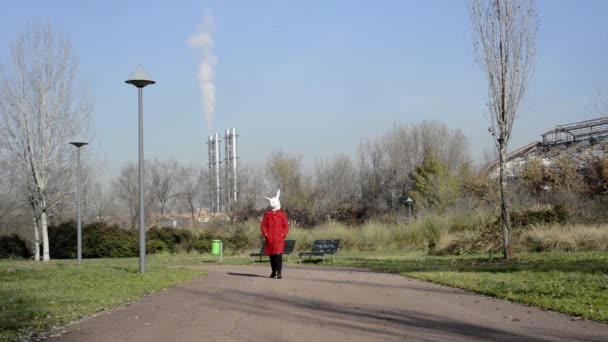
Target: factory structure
{"points": [[223, 174], [580, 141]]}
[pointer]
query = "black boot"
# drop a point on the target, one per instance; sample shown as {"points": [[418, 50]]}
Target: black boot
{"points": [[273, 265], [279, 265]]}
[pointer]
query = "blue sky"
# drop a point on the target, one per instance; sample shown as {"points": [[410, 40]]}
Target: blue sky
{"points": [[309, 77]]}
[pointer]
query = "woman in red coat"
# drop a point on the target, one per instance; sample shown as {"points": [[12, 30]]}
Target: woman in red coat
{"points": [[275, 228]]}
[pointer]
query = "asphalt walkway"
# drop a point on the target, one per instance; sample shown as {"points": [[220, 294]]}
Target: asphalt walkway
{"points": [[240, 303]]}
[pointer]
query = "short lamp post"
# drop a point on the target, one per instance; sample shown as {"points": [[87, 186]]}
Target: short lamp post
{"points": [[409, 208], [546, 190], [140, 78], [78, 142]]}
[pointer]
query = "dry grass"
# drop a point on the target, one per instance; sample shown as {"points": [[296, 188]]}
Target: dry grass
{"points": [[566, 238]]}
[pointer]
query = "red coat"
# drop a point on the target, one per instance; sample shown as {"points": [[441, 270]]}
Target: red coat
{"points": [[274, 228]]}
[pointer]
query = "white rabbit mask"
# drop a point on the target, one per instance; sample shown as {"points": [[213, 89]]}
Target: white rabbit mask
{"points": [[275, 204]]}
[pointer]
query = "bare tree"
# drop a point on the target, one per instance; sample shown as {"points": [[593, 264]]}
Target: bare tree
{"points": [[8, 190], [163, 179], [191, 182], [600, 103], [41, 107], [372, 175], [284, 171], [126, 191], [387, 162], [504, 37], [250, 184], [336, 191]]}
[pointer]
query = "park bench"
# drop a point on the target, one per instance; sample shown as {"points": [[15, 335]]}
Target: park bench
{"points": [[289, 246], [320, 248]]}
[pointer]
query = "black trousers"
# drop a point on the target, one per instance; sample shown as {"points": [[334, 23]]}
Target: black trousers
{"points": [[276, 262]]}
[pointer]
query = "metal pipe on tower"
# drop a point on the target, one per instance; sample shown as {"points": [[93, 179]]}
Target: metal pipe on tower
{"points": [[218, 184], [233, 164]]}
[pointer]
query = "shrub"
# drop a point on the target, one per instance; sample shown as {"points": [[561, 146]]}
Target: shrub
{"points": [[174, 239], [557, 214], [12, 246], [103, 241], [156, 246], [201, 245], [63, 240]]}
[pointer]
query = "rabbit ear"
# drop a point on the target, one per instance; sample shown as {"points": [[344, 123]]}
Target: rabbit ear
{"points": [[267, 198], [278, 193]]}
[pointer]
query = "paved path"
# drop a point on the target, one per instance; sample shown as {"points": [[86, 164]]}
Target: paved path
{"points": [[239, 303]]}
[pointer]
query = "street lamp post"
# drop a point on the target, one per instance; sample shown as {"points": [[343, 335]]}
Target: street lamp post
{"points": [[546, 190], [409, 207], [140, 78], [78, 142]]}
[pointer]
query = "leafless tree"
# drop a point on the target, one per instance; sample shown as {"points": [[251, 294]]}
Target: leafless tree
{"points": [[8, 190], [163, 180], [41, 107], [126, 192], [190, 184], [336, 191], [251, 190], [504, 37], [600, 103], [125, 188], [284, 171], [387, 162], [372, 175]]}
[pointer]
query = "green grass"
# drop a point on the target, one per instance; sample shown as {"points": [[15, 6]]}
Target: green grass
{"points": [[572, 283], [35, 297]]}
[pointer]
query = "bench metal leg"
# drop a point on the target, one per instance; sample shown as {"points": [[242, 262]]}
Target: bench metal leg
{"points": [[252, 260]]}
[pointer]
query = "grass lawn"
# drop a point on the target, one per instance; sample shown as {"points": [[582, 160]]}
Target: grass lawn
{"points": [[34, 297], [572, 283]]}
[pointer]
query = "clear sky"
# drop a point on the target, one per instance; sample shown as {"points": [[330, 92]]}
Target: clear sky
{"points": [[309, 77]]}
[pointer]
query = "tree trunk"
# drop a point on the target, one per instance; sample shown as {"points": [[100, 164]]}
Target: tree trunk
{"points": [[193, 217], [36, 239], [506, 227], [46, 256]]}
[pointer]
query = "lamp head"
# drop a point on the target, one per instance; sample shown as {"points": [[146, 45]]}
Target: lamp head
{"points": [[78, 141], [140, 78]]}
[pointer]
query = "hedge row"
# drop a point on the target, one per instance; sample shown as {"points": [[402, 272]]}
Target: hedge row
{"points": [[100, 240], [12, 246]]}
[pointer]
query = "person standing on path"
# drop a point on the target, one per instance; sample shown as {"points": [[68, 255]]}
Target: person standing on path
{"points": [[275, 228]]}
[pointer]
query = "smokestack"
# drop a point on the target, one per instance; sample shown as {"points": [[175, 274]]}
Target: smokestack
{"points": [[230, 168], [211, 164]]}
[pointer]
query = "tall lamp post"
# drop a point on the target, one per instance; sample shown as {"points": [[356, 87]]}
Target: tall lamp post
{"points": [[78, 142], [140, 78]]}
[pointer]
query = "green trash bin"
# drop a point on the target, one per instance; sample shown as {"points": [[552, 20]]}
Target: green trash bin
{"points": [[216, 246]]}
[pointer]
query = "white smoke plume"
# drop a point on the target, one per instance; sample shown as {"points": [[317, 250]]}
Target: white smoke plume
{"points": [[204, 41]]}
